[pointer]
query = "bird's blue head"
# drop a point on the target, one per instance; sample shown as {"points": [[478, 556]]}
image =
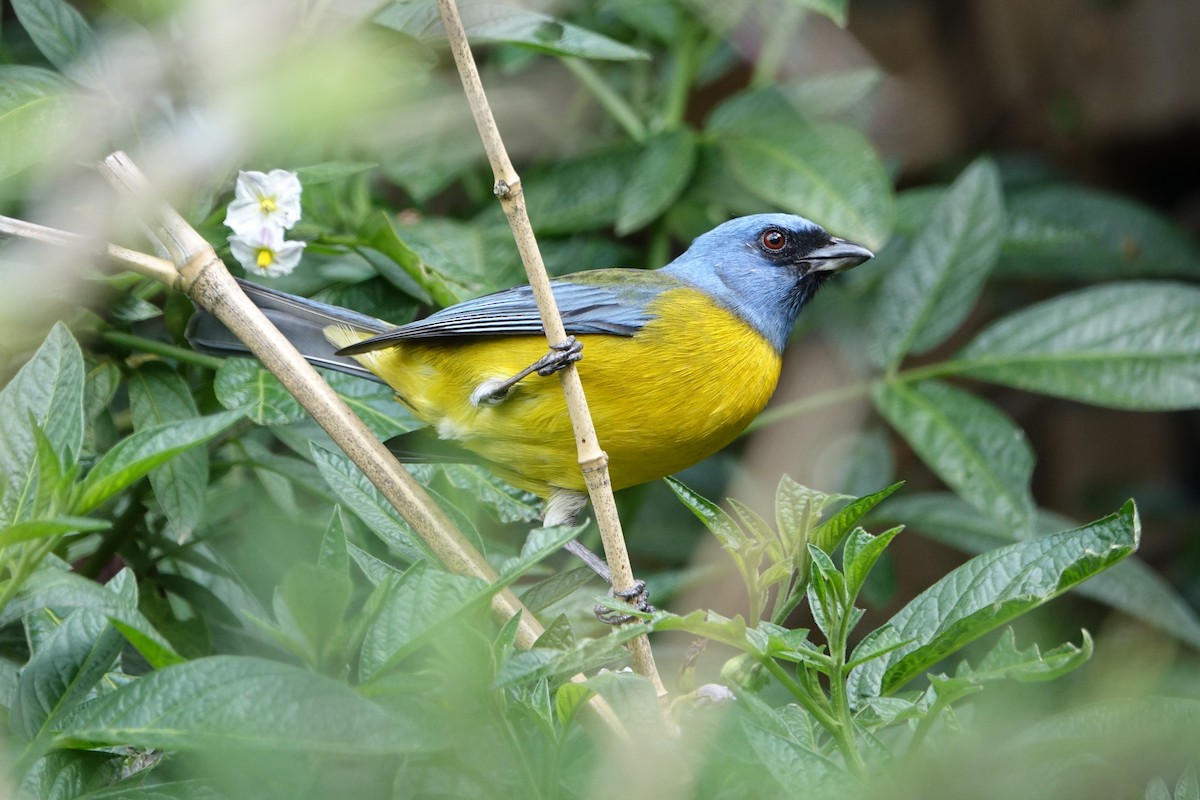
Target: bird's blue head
{"points": [[765, 267]]}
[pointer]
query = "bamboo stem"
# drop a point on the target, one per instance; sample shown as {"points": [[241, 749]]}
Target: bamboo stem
{"points": [[592, 460]]}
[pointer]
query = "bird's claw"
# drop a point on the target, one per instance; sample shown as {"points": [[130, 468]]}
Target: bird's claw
{"points": [[565, 352], [637, 595]]}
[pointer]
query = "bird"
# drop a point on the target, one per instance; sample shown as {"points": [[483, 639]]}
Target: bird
{"points": [[675, 362]]}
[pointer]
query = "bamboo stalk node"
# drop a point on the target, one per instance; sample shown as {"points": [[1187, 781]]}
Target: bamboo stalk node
{"points": [[505, 189]]}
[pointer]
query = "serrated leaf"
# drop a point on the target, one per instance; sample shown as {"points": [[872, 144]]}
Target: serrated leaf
{"points": [[861, 552], [504, 502], [526, 666], [797, 511], [158, 396], [554, 588], [662, 170], [728, 532], [241, 384], [1130, 586], [829, 534], [490, 22], [247, 703], [1128, 345], [927, 296], [826, 172], [798, 769], [359, 495], [48, 390], [988, 591], [1072, 232], [1005, 662], [63, 671], [374, 403], [65, 591], [334, 554], [579, 194], [423, 601], [142, 451], [968, 443]]}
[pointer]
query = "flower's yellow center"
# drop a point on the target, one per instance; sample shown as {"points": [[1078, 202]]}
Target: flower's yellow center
{"points": [[267, 203], [265, 257]]}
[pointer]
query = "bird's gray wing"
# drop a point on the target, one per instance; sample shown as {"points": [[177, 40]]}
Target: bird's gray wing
{"points": [[603, 301]]}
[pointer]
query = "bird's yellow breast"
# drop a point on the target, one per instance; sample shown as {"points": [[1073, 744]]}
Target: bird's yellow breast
{"points": [[680, 389]]}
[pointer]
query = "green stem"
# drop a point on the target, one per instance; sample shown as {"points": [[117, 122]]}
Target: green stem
{"points": [[31, 556], [926, 723], [780, 34], [840, 698], [612, 102], [812, 403], [853, 391], [826, 720], [162, 349], [682, 74]]}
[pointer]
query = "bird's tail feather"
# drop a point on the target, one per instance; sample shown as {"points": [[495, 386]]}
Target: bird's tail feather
{"points": [[302, 322]]}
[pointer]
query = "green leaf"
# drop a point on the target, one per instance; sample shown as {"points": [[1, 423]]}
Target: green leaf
{"points": [[1059, 231], [526, 666], [1131, 586], [424, 600], [503, 501], [327, 171], [1188, 787], [1163, 726], [580, 194], [828, 173], [144, 450], [404, 268], [799, 770], [245, 703], [334, 554], [969, 443], [360, 496], [728, 533], [829, 534], [66, 40], [1006, 662], [1128, 345], [33, 131], [63, 671], [554, 588], [478, 256], [51, 526], [988, 591], [374, 403], [859, 557], [826, 592], [662, 170], [317, 599], [20, 83], [927, 296], [241, 384], [490, 22], [64, 591], [160, 396], [797, 511], [49, 388]]}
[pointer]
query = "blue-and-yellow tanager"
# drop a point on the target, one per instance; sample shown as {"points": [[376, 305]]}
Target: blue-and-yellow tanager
{"points": [[676, 361]]}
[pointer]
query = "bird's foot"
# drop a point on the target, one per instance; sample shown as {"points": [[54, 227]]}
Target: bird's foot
{"points": [[637, 596], [560, 356], [494, 391]]}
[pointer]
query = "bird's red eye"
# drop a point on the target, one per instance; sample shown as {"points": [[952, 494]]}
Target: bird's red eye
{"points": [[773, 239]]}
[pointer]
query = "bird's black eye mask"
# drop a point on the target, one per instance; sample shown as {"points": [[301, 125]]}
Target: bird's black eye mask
{"points": [[784, 246]]}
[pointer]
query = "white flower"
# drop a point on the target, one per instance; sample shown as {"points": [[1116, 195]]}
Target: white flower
{"points": [[265, 252], [271, 198]]}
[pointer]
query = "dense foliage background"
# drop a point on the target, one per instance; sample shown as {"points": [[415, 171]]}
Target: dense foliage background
{"points": [[200, 597]]}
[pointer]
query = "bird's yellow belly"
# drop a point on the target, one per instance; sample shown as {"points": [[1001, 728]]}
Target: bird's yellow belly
{"points": [[679, 390]]}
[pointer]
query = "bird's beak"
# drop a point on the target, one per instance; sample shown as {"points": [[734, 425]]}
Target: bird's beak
{"points": [[837, 256]]}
